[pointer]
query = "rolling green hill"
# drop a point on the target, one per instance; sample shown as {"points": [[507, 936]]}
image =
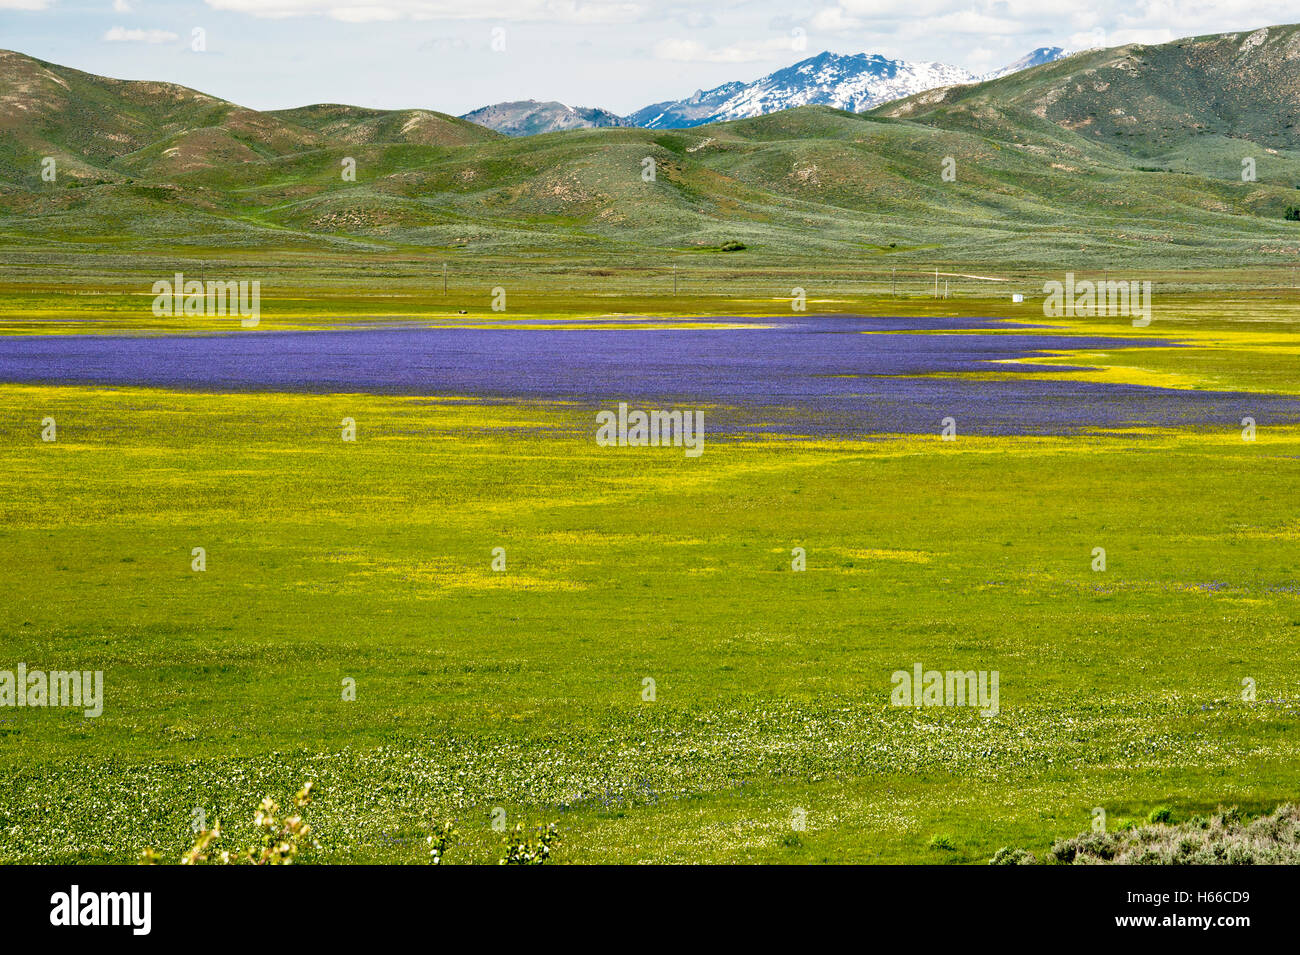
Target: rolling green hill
{"points": [[101, 128], [354, 125], [1131, 155], [1198, 100]]}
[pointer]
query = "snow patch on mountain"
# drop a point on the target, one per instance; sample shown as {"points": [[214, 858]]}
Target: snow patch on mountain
{"points": [[1044, 54], [853, 82]]}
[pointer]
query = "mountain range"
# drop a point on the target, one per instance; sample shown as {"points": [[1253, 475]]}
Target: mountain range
{"points": [[854, 82], [529, 117], [1129, 156]]}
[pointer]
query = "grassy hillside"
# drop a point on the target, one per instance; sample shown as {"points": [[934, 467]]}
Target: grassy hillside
{"points": [[357, 126], [1199, 104], [1128, 156]]}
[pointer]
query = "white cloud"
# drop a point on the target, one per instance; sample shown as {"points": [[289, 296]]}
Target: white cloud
{"points": [[359, 11], [692, 51], [24, 4], [1093, 39], [834, 20], [373, 14], [1145, 20], [121, 6], [123, 35], [978, 34], [859, 12], [971, 23], [1146, 37]]}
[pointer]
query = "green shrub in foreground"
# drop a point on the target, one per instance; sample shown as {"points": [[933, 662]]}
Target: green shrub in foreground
{"points": [[1009, 856], [1223, 839]]}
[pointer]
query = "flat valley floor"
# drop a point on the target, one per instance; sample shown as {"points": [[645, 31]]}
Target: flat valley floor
{"points": [[616, 640]]}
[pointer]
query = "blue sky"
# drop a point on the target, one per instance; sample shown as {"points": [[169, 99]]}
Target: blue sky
{"points": [[456, 55]]}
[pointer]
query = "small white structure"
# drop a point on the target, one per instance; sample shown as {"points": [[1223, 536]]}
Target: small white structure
{"points": [[1017, 298]]}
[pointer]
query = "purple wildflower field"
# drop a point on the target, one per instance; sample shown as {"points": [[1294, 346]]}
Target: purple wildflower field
{"points": [[805, 375]]}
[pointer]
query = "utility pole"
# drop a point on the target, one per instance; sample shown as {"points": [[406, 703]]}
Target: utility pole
{"points": [[444, 278], [674, 280], [936, 283], [893, 280]]}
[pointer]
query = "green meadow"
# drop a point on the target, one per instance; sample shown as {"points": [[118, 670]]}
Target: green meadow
{"points": [[524, 689]]}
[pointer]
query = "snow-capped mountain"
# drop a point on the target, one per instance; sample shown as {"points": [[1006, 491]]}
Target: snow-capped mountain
{"points": [[855, 83], [529, 117], [1044, 54]]}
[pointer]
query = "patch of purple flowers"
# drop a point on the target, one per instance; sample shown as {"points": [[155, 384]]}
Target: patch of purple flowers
{"points": [[805, 375]]}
